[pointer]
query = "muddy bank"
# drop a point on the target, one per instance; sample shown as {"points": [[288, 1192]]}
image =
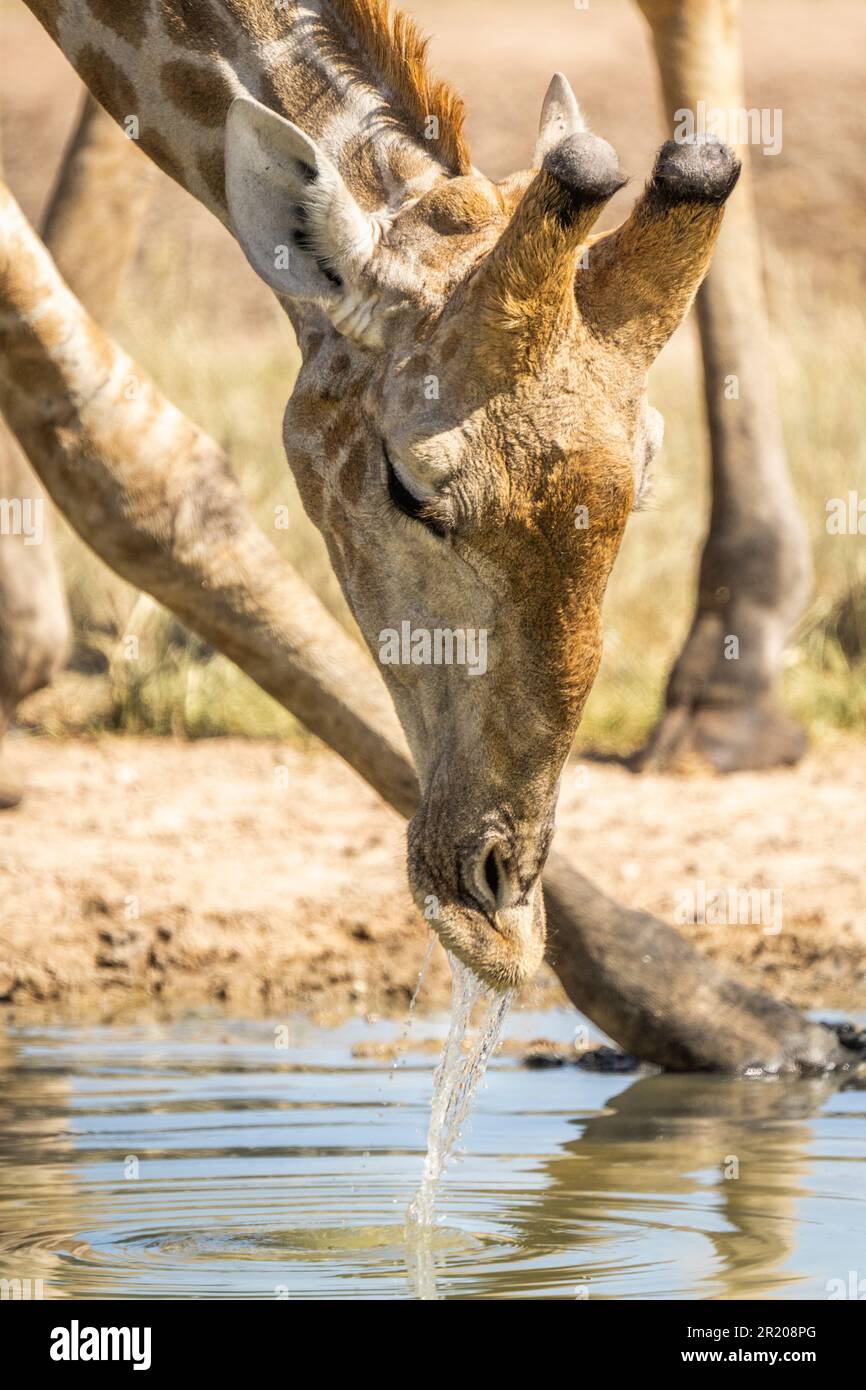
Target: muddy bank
{"points": [[143, 874]]}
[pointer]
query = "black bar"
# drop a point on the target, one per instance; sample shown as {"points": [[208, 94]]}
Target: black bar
{"points": [[252, 1338]]}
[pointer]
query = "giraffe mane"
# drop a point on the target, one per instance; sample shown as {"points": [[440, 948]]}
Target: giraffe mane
{"points": [[392, 41]]}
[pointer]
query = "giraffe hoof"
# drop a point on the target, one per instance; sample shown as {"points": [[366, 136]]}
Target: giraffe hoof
{"points": [[722, 739], [696, 170]]}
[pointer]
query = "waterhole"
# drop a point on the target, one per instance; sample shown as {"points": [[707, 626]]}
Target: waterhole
{"points": [[199, 1159]]}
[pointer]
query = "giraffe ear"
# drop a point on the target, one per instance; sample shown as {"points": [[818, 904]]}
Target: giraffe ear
{"points": [[297, 223]]}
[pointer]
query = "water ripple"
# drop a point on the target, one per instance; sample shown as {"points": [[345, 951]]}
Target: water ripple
{"points": [[197, 1160]]}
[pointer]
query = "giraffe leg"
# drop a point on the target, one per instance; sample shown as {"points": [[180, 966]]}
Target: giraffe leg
{"points": [[755, 569], [93, 217], [91, 225], [34, 629]]}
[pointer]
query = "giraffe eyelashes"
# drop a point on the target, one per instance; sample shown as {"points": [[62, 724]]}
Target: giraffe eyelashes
{"points": [[417, 508]]}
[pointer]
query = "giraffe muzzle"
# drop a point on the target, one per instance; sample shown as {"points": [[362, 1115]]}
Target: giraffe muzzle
{"points": [[484, 900]]}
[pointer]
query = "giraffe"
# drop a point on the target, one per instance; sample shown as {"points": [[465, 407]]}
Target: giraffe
{"points": [[755, 570], [402, 267], [680, 209], [185, 535]]}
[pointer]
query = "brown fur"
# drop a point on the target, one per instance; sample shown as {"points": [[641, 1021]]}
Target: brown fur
{"points": [[112, 87], [197, 91], [197, 25], [527, 294], [353, 474], [393, 43], [359, 154], [159, 149], [658, 258], [128, 20], [261, 17], [211, 165]]}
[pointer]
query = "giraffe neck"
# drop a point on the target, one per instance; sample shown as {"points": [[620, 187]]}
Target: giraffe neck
{"points": [[168, 70]]}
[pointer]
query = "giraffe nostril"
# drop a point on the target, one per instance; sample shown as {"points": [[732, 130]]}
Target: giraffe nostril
{"points": [[495, 885], [493, 875]]}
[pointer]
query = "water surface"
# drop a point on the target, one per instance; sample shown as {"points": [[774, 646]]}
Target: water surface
{"points": [[200, 1159]]}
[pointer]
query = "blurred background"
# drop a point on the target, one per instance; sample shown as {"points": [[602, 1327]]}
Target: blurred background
{"points": [[194, 315]]}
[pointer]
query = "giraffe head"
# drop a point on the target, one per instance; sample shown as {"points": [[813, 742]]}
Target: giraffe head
{"points": [[470, 431]]}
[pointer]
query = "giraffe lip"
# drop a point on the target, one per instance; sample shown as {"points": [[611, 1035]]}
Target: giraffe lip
{"points": [[504, 951]]}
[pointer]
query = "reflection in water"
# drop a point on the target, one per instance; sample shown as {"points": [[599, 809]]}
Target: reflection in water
{"points": [[732, 1153], [201, 1160]]}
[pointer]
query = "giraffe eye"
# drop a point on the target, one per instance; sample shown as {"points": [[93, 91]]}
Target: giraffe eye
{"points": [[418, 508]]}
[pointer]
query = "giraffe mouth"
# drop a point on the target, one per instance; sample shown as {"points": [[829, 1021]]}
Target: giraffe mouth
{"points": [[504, 947], [475, 874]]}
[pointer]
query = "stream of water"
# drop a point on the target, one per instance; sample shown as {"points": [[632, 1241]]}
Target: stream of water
{"points": [[201, 1159], [455, 1080]]}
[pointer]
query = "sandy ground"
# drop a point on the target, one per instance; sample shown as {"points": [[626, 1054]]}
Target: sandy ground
{"points": [[265, 878]]}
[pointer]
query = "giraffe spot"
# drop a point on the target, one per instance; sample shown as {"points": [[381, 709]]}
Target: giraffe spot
{"points": [[157, 148], [353, 474], [461, 205], [128, 20], [368, 185], [17, 284], [194, 24], [36, 376], [449, 347], [108, 82], [312, 345], [204, 94], [338, 432], [261, 16], [211, 164], [286, 88], [310, 485]]}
